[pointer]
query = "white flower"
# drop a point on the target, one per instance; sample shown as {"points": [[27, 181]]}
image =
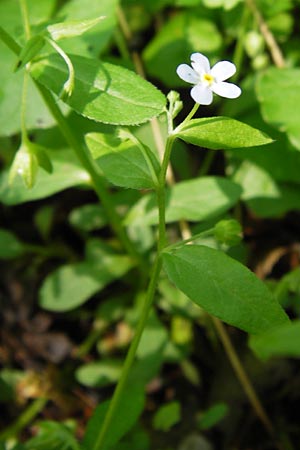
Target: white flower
{"points": [[207, 80]]}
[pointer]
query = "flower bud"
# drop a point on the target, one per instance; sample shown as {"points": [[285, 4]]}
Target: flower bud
{"points": [[228, 232], [25, 165]]}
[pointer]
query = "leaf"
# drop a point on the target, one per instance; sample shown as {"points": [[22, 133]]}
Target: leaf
{"points": [[167, 416], [71, 285], [124, 160], [67, 172], [278, 94], [266, 197], [37, 114], [10, 246], [219, 133], [282, 341], [52, 436], [30, 50], [72, 28], [224, 288], [193, 200], [103, 92], [96, 39], [99, 373], [212, 416], [181, 35], [129, 409], [88, 217]]}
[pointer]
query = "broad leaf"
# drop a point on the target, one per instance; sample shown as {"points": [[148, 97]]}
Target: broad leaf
{"points": [[224, 288], [129, 409], [71, 285], [67, 172], [278, 93], [282, 341], [219, 133], [103, 92], [193, 200], [124, 160]]}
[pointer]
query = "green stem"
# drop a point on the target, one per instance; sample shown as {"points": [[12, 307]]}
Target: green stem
{"points": [[23, 108], [130, 355], [24, 419], [25, 17], [238, 54], [148, 301], [207, 162], [188, 117], [161, 194]]}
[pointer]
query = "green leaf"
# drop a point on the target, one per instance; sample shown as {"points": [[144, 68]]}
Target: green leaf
{"points": [[266, 197], [72, 28], [99, 373], [192, 200], [279, 96], [37, 114], [52, 436], [282, 341], [103, 92], [88, 217], [71, 285], [224, 288], [184, 33], [10, 246], [30, 50], [167, 416], [130, 407], [94, 40], [67, 172], [124, 160], [219, 133], [212, 416]]}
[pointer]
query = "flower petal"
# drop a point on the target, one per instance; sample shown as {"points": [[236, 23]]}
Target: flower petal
{"points": [[200, 63], [202, 94], [228, 90], [187, 74], [223, 70]]}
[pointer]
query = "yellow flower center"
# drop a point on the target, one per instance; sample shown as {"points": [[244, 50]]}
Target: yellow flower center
{"points": [[208, 79]]}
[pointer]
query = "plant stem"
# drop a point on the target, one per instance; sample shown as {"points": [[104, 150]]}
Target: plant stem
{"points": [[148, 300], [239, 48], [25, 17], [24, 419], [274, 48], [130, 355]]}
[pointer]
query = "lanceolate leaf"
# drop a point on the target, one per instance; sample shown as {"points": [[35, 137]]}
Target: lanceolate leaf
{"points": [[103, 92], [193, 200], [224, 287], [219, 133]]}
